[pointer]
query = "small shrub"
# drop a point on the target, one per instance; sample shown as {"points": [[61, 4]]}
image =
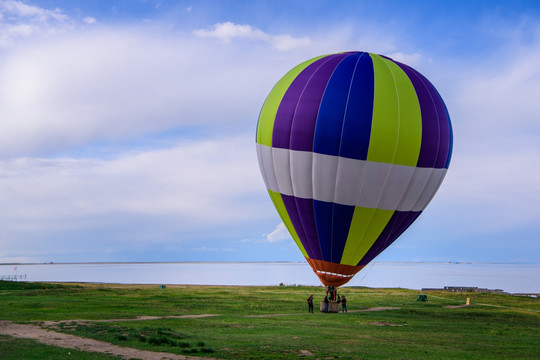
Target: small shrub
{"points": [[164, 340], [189, 351]]}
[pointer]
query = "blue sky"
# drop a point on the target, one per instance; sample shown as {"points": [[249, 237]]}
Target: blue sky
{"points": [[127, 127]]}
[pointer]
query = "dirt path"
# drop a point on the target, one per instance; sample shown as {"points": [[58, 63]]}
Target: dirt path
{"points": [[48, 337], [138, 318]]}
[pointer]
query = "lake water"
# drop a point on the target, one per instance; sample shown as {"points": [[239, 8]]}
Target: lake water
{"points": [[513, 278]]}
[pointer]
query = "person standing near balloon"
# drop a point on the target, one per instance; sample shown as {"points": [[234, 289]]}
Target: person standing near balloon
{"points": [[310, 303], [343, 304]]}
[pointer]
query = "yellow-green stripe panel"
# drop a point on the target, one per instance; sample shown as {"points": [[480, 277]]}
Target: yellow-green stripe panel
{"points": [[271, 104], [385, 123], [410, 118], [282, 211], [366, 226]]}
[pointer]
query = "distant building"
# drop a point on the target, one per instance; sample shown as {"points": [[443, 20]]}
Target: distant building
{"points": [[467, 289]]}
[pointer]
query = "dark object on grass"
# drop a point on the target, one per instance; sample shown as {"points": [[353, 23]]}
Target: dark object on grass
{"points": [[421, 297]]}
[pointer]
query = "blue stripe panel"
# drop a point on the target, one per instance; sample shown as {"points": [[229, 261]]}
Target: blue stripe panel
{"points": [[342, 219], [332, 110], [333, 222], [359, 113], [323, 220]]}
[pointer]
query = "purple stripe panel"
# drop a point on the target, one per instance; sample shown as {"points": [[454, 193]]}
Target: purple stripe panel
{"points": [[444, 127], [445, 147], [297, 209], [399, 222], [305, 116], [451, 140], [435, 147], [429, 147], [281, 134], [307, 217]]}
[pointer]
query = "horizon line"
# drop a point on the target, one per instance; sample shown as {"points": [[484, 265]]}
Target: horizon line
{"points": [[258, 262]]}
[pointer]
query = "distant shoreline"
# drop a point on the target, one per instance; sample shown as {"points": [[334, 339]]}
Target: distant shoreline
{"points": [[512, 277]]}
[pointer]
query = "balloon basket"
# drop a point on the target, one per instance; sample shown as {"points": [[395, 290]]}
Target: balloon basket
{"points": [[333, 306]]}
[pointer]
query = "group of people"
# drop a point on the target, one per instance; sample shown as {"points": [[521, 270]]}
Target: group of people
{"points": [[331, 295]]}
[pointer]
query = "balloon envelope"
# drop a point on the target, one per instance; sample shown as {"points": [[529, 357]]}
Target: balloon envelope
{"points": [[352, 147]]}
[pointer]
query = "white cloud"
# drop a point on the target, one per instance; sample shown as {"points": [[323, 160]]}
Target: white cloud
{"points": [[99, 84], [280, 233], [89, 20], [228, 31], [199, 182], [23, 10], [491, 193], [162, 196], [409, 59], [19, 20], [502, 97], [213, 249]]}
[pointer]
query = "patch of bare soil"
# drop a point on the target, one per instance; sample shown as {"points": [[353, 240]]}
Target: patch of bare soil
{"points": [[384, 323], [379, 308], [48, 337], [455, 306], [306, 353], [266, 315]]}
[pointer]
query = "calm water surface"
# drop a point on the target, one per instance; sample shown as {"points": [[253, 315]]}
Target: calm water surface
{"points": [[513, 278]]}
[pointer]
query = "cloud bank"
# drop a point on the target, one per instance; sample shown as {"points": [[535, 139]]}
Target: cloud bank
{"points": [[228, 31]]}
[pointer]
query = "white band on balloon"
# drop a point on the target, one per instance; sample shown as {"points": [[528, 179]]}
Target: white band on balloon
{"points": [[335, 274], [347, 181]]}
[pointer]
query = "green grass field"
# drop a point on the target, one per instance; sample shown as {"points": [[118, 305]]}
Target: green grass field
{"points": [[273, 323]]}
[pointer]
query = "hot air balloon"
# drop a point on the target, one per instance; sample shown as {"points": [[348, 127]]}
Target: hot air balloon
{"points": [[352, 147]]}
